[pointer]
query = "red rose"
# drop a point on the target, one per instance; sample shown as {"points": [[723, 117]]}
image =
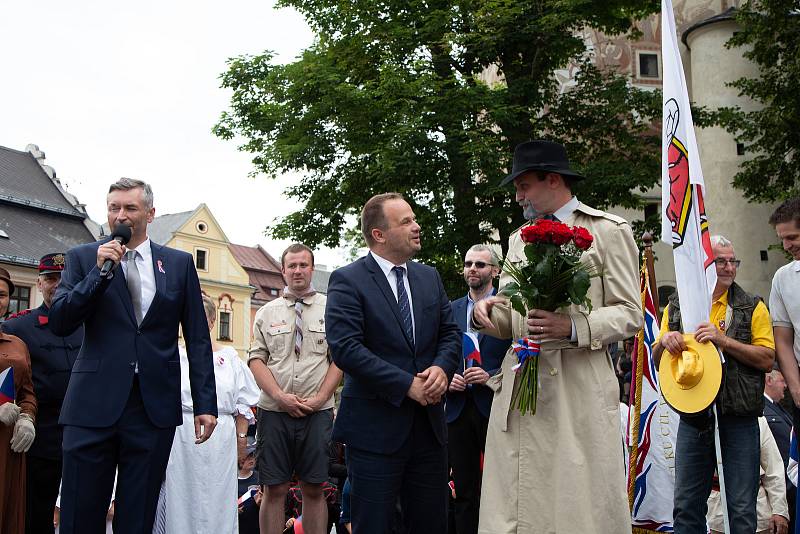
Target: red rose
{"points": [[583, 239], [529, 234], [547, 231], [561, 234]]}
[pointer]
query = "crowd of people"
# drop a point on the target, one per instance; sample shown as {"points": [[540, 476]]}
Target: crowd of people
{"points": [[115, 421]]}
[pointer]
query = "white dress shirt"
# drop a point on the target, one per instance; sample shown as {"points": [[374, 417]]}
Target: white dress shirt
{"points": [[144, 262], [386, 266], [565, 212]]}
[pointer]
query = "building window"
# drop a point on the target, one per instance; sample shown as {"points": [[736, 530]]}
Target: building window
{"points": [[202, 227], [225, 326], [648, 65], [273, 292], [201, 259], [740, 149], [20, 299]]}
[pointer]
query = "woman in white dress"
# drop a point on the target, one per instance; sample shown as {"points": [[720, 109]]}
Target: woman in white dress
{"points": [[200, 491]]}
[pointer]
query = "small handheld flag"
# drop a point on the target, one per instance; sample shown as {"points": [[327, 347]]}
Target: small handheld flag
{"points": [[471, 349], [249, 494], [7, 392]]}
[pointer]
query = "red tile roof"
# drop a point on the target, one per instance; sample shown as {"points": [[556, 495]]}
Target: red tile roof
{"points": [[254, 258], [263, 270]]}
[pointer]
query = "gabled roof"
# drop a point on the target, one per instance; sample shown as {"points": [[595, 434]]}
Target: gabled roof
{"points": [[34, 233], [255, 258], [24, 181], [164, 227], [263, 270], [37, 216]]}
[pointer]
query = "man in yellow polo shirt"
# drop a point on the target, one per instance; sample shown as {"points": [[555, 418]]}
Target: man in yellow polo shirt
{"points": [[740, 327]]}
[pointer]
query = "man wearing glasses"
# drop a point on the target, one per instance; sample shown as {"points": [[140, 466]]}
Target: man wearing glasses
{"points": [[469, 399], [741, 328]]}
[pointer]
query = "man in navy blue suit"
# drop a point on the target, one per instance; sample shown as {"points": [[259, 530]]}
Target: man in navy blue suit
{"points": [[390, 329], [469, 399], [780, 424], [123, 400]]}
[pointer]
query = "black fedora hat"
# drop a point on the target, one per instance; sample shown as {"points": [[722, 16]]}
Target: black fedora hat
{"points": [[540, 155]]}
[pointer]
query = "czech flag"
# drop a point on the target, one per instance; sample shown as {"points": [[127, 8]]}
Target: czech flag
{"points": [[298, 526], [249, 494], [7, 386], [471, 349]]}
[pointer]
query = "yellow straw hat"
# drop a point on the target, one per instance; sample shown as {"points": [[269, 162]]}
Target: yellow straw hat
{"points": [[691, 380]]}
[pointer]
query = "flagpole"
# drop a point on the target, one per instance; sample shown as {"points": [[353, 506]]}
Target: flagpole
{"points": [[635, 407], [650, 262], [684, 222]]}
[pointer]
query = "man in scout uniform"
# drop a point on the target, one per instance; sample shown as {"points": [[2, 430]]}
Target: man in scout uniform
{"points": [[52, 357], [289, 360], [740, 327]]}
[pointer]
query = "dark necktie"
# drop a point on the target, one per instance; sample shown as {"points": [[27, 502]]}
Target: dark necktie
{"points": [[549, 217], [402, 302]]}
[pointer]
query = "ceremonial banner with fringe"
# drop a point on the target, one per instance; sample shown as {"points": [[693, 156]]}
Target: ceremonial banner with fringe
{"points": [[652, 430]]}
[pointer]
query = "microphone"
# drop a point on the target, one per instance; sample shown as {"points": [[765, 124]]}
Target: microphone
{"points": [[122, 234]]}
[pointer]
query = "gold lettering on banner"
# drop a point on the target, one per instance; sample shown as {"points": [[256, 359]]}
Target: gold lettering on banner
{"points": [[666, 433]]}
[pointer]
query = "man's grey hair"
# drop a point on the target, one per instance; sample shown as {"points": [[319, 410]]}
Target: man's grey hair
{"points": [[126, 184], [485, 248], [720, 241]]}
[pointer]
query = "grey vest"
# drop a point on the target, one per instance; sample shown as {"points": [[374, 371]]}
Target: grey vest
{"points": [[742, 391]]}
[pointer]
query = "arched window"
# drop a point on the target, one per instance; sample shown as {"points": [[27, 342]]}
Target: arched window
{"points": [[225, 309]]}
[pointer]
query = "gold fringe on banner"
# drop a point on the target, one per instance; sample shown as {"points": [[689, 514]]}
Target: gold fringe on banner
{"points": [[637, 530], [636, 406]]}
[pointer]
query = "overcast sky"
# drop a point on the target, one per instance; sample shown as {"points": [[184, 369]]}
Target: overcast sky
{"points": [[111, 89]]}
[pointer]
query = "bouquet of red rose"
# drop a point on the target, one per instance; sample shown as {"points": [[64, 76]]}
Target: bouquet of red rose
{"points": [[552, 278]]}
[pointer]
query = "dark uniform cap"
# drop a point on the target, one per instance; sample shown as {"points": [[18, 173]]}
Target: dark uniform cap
{"points": [[52, 263], [7, 277]]}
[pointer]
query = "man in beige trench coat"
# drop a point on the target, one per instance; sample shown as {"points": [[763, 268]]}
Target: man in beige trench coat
{"points": [[561, 470]]}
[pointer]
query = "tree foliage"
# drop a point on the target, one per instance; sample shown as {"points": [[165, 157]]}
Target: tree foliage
{"points": [[770, 37], [393, 96]]}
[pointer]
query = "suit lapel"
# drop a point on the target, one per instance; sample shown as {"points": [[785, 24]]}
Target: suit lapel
{"points": [[784, 413], [160, 275], [460, 312], [383, 284]]}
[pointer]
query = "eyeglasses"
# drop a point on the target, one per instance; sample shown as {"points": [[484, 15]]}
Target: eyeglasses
{"points": [[478, 264], [722, 262]]}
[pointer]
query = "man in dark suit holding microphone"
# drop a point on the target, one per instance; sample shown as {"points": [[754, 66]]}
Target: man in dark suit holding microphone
{"points": [[123, 400], [390, 329]]}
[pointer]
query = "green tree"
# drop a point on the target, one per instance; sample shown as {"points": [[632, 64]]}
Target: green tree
{"points": [[392, 96], [770, 37]]}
